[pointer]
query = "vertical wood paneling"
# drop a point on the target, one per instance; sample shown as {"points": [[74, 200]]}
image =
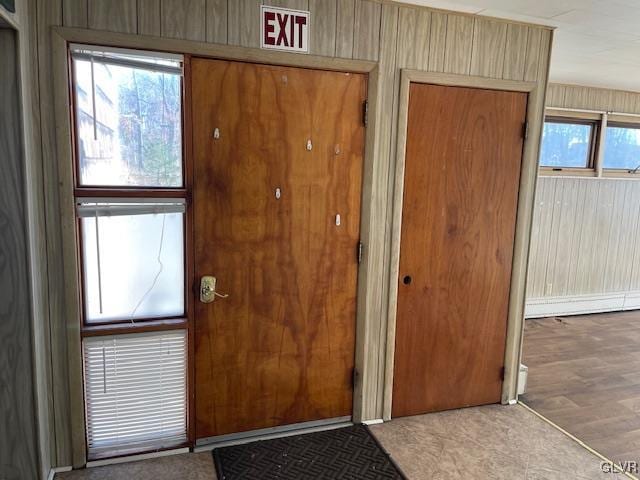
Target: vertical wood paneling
{"points": [[18, 437], [323, 27], [184, 19], [459, 44], [604, 220], [555, 96], [515, 52], [366, 31], [532, 273], [582, 209], [634, 282], [345, 20], [438, 40], [556, 218], [590, 98], [588, 242], [114, 15], [295, 4], [632, 220], [244, 23], [75, 13], [149, 17], [489, 44], [414, 36], [34, 194], [544, 202], [615, 279], [49, 12], [217, 21], [534, 42]]}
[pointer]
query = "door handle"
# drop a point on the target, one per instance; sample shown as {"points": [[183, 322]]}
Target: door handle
{"points": [[208, 290]]}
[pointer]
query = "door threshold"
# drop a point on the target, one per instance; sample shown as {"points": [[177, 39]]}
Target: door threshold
{"points": [[209, 443]]}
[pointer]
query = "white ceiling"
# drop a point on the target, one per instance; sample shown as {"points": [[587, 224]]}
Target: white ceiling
{"points": [[596, 43]]}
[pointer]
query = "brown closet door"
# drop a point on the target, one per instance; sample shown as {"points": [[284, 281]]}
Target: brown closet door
{"points": [[464, 150], [278, 155]]}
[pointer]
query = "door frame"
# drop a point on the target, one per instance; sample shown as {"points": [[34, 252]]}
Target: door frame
{"points": [[365, 391], [528, 178]]}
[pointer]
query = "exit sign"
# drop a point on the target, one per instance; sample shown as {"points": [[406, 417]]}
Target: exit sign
{"points": [[284, 29]]}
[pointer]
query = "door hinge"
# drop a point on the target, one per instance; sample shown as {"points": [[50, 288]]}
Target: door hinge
{"points": [[525, 130], [359, 252], [502, 374], [365, 113], [354, 377]]}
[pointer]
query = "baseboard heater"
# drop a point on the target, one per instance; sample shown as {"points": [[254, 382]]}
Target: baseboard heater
{"points": [[582, 304]]}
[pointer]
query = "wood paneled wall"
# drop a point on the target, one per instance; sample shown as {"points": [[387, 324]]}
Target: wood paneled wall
{"points": [[18, 428], [591, 98], [585, 240], [393, 35], [585, 250]]}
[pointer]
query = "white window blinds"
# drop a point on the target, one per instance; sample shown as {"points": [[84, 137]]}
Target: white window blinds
{"points": [[135, 390]]}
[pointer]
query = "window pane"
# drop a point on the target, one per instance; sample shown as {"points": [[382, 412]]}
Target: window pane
{"points": [[133, 266], [565, 145], [622, 148], [128, 125]]}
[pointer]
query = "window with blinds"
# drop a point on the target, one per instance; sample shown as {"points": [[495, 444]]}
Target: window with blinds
{"points": [[135, 390]]}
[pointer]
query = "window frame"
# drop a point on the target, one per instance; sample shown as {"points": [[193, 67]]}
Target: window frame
{"points": [[594, 139], [618, 171], [82, 193]]}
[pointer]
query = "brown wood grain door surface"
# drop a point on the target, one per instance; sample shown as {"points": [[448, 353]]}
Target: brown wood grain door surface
{"points": [[462, 173], [286, 160]]}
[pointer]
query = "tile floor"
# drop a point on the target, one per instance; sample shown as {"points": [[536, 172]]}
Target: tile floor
{"points": [[492, 442]]}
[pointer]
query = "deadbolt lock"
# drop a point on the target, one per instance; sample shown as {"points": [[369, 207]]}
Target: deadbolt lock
{"points": [[208, 290]]}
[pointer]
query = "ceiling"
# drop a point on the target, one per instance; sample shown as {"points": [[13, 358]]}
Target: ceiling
{"points": [[596, 43]]}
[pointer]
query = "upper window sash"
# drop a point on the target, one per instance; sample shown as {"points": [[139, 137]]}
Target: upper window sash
{"points": [[128, 118], [154, 61], [589, 154]]}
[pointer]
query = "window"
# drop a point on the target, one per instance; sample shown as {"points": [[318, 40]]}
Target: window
{"points": [[128, 119], [622, 147], [131, 214], [567, 143]]}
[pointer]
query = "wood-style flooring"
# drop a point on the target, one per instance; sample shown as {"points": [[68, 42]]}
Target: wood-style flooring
{"points": [[584, 375]]}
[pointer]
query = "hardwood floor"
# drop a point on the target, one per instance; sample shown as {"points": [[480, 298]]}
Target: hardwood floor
{"points": [[584, 375]]}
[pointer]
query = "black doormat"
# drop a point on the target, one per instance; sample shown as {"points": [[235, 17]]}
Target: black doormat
{"points": [[343, 453]]}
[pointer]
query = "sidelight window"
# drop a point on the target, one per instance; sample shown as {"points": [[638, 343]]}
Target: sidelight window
{"points": [[131, 210]]}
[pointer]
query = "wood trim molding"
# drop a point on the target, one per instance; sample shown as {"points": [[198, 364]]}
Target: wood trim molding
{"points": [[535, 108], [69, 244], [210, 50]]}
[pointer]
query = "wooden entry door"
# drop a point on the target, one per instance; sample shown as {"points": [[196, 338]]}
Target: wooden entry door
{"points": [[278, 156], [462, 173]]}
